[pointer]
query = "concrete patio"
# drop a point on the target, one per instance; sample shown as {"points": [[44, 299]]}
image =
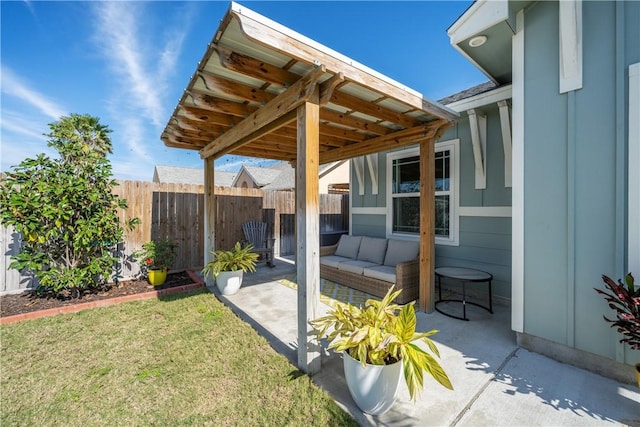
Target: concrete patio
{"points": [[496, 382]]}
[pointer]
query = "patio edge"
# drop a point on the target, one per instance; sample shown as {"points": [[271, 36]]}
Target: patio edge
{"points": [[198, 283]]}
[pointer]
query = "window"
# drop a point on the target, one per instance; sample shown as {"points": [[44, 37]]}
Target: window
{"points": [[404, 193]]}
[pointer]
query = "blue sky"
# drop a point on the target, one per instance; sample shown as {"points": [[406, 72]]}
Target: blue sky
{"points": [[129, 62]]}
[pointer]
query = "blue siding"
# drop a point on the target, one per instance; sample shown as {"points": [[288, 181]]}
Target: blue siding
{"points": [[485, 244], [368, 225], [496, 194], [570, 175], [369, 200], [545, 153]]}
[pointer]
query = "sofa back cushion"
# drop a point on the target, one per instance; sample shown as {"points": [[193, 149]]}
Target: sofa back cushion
{"points": [[401, 251], [372, 250], [348, 246]]}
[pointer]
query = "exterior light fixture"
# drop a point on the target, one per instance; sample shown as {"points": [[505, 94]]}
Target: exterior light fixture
{"points": [[477, 41]]}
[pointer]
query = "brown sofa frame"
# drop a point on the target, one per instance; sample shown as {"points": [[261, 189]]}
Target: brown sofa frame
{"points": [[407, 278]]}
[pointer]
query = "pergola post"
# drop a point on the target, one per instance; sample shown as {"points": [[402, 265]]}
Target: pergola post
{"points": [[427, 225], [209, 213], [307, 231]]}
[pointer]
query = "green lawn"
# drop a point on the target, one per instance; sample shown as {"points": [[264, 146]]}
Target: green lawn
{"points": [[182, 360]]}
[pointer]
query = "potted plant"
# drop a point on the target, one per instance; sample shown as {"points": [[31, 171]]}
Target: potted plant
{"points": [[377, 342], [228, 267], [625, 300], [157, 256]]}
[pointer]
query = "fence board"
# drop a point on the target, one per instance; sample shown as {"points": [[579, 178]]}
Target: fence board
{"points": [[176, 211]]}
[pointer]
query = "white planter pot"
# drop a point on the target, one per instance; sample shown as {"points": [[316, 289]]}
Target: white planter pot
{"points": [[228, 282], [374, 388]]}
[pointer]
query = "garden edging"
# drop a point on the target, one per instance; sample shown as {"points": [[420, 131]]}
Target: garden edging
{"points": [[198, 283]]}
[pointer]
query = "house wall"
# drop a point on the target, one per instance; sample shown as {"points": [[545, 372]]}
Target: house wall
{"points": [[245, 181], [574, 175], [339, 175], [484, 241]]}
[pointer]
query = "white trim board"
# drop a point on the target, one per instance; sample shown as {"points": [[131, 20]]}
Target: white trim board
{"points": [[486, 211], [358, 166], [480, 16], [478, 128], [482, 99], [369, 211], [517, 195], [633, 262], [570, 21], [505, 128]]}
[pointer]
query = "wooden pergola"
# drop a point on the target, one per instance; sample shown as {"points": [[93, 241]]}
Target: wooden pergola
{"points": [[262, 90]]}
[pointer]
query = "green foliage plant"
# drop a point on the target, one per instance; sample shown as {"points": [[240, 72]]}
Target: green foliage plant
{"points": [[64, 208], [237, 258], [156, 254], [382, 333], [624, 298]]}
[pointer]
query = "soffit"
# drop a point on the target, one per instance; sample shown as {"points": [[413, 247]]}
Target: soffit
{"points": [[251, 60], [494, 19]]}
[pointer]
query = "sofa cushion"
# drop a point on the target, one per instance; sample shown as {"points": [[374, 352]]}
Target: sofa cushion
{"points": [[372, 249], [355, 267], [401, 251], [381, 272], [333, 260], [348, 246]]}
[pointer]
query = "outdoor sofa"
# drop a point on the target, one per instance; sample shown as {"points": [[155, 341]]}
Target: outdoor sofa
{"points": [[373, 265]]}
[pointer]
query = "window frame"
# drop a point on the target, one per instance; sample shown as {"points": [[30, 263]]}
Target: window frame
{"points": [[453, 146]]}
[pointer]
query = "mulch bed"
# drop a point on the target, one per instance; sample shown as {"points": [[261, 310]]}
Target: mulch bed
{"points": [[28, 302]]}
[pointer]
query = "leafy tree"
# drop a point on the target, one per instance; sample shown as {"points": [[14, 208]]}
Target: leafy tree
{"points": [[65, 209]]}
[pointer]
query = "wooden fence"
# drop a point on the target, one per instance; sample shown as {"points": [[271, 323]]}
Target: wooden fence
{"points": [[176, 212]]}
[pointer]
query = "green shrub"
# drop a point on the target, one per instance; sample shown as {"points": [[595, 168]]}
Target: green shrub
{"points": [[65, 209]]}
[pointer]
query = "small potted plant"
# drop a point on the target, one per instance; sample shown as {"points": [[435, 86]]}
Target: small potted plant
{"points": [[156, 256], [625, 300], [228, 267], [377, 342]]}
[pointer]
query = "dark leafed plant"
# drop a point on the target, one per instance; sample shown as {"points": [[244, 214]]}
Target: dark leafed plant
{"points": [[65, 208], [624, 298]]}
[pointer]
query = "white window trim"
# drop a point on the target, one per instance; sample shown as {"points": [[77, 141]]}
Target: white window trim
{"points": [[453, 145]]}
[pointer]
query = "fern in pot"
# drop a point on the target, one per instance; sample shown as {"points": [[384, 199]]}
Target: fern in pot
{"points": [[379, 342], [228, 267]]}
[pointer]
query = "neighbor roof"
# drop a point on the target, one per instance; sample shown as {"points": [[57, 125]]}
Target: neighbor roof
{"points": [[243, 96], [261, 176], [286, 180], [180, 175]]}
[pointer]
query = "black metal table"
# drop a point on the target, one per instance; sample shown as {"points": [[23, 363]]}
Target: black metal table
{"points": [[465, 275]]}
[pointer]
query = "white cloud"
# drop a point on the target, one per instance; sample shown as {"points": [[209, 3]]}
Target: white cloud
{"points": [[15, 150], [142, 66], [13, 86], [118, 23], [132, 170], [17, 124]]}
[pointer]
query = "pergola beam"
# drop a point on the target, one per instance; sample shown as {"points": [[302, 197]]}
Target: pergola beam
{"points": [[427, 226], [307, 233], [209, 214], [256, 124], [397, 139]]}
